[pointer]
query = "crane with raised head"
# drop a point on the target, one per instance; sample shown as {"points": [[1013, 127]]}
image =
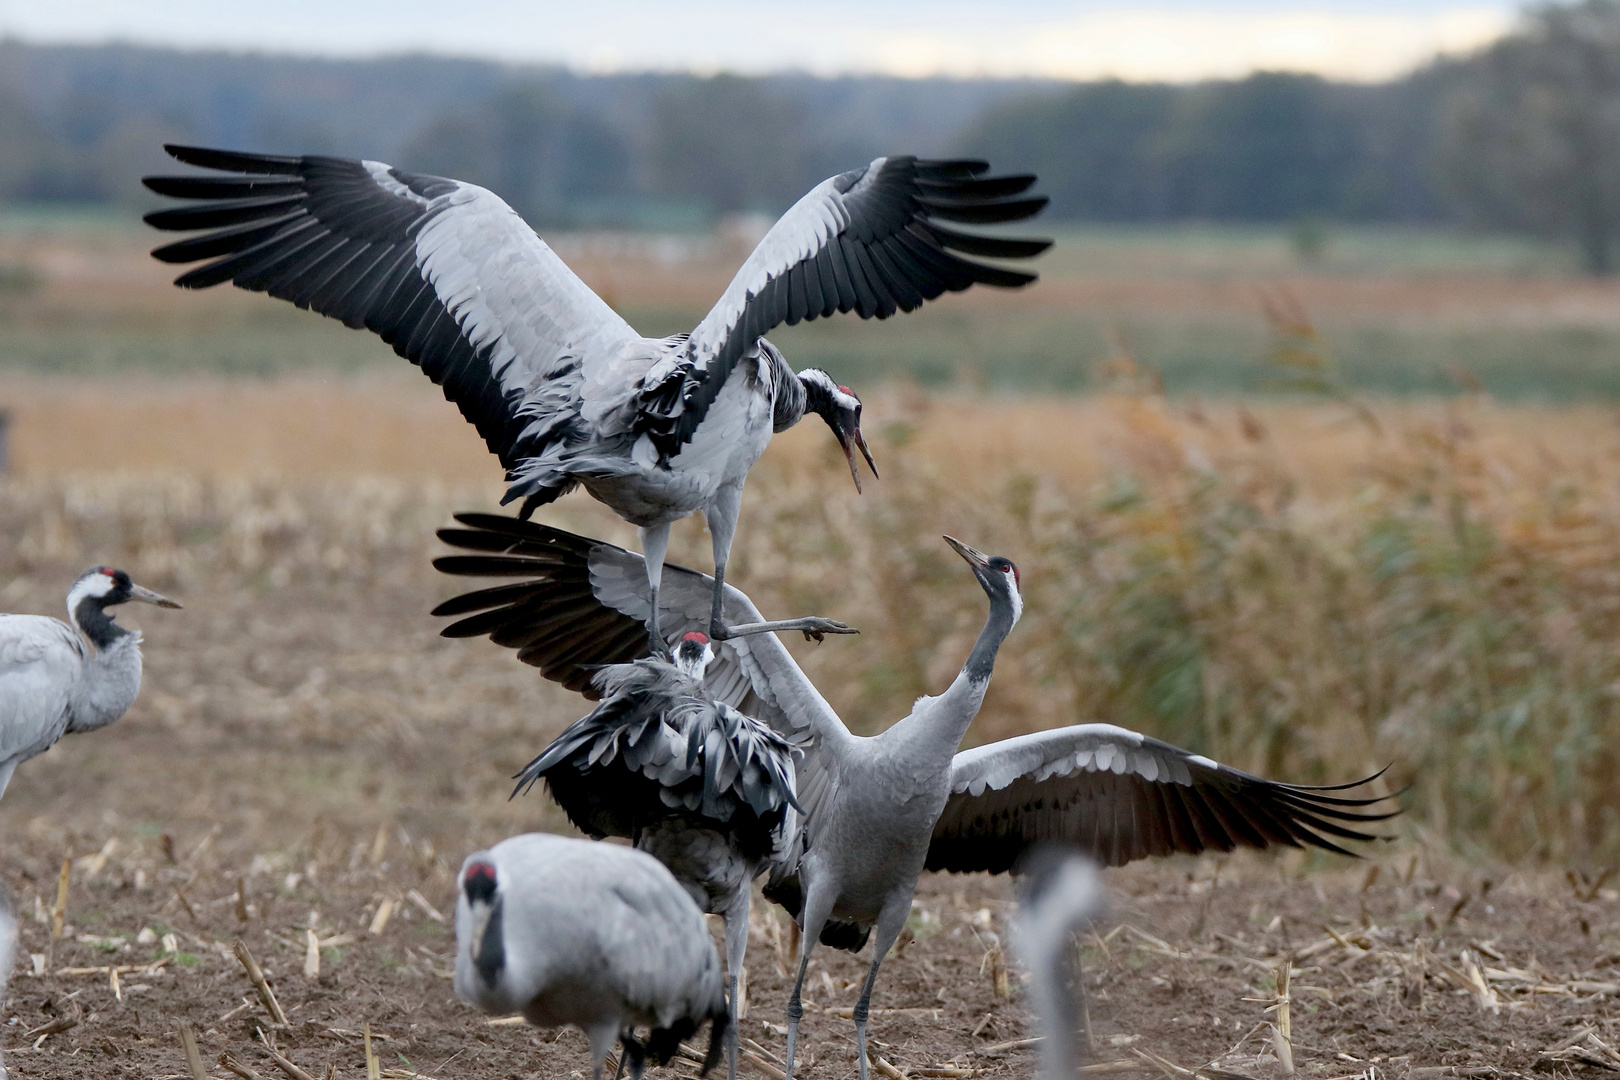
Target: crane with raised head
{"points": [[1061, 894], [61, 678], [879, 810], [561, 388], [566, 931], [688, 779]]}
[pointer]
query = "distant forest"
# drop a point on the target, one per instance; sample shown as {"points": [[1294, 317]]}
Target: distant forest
{"points": [[81, 124]]}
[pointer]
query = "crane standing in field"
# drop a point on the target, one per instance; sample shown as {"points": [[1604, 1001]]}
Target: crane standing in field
{"points": [[60, 678], [568, 931], [562, 389], [1062, 893], [691, 781], [878, 811]]}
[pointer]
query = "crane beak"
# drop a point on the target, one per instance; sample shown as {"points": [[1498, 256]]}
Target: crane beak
{"points": [[849, 443], [147, 596], [975, 558]]}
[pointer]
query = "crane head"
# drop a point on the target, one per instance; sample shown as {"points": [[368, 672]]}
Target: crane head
{"points": [[110, 586], [998, 575], [693, 654], [485, 941], [841, 408]]}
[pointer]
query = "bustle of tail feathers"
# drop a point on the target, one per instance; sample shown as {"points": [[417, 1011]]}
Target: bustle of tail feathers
{"points": [[664, 1043], [788, 894]]}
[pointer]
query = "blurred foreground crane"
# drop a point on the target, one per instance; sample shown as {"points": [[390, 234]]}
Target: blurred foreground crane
{"points": [[8, 952], [878, 811], [60, 678], [562, 389], [691, 781], [1062, 894], [568, 931]]}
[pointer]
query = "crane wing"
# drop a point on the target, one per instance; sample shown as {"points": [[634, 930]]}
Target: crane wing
{"points": [[443, 271], [1119, 795], [583, 603], [40, 661], [869, 241]]}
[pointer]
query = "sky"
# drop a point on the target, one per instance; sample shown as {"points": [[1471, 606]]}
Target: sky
{"points": [[1176, 40]]}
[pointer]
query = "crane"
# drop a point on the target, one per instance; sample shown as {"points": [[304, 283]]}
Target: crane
{"points": [[1062, 892], [690, 780], [567, 931], [60, 678], [561, 388], [878, 811]]}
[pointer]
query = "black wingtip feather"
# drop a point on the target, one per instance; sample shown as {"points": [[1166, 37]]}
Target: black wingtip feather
{"points": [[234, 161]]}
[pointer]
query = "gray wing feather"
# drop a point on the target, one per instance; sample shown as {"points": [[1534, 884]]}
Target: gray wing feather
{"points": [[40, 661], [1120, 795], [444, 271], [868, 241]]}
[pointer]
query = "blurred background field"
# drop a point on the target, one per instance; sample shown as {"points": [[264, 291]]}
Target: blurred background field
{"points": [[1399, 312]]}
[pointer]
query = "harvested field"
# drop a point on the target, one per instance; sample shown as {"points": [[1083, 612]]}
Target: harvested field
{"points": [[306, 750]]}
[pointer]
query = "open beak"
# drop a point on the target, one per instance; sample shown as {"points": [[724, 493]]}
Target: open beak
{"points": [[147, 596], [857, 439], [975, 558]]}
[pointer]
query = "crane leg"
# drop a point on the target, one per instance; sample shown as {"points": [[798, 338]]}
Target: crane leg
{"points": [[817, 910], [890, 922], [722, 518], [601, 1038], [736, 947], [721, 515], [654, 543]]}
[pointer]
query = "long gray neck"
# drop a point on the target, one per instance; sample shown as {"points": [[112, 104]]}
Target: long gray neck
{"points": [[792, 399], [981, 662], [942, 723], [108, 684], [1054, 994]]}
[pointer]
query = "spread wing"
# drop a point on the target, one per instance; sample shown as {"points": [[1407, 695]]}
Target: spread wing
{"points": [[443, 271], [869, 241], [1119, 795], [583, 603], [40, 661]]}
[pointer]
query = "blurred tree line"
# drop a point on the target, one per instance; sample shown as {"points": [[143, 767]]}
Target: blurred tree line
{"points": [[1524, 135]]}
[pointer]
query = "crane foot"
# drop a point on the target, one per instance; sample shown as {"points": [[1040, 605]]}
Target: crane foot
{"points": [[813, 627]]}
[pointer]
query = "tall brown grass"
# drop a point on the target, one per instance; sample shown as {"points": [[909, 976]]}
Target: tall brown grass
{"points": [[1304, 591]]}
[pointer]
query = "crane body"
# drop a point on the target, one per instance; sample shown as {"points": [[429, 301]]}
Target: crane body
{"points": [[567, 931]]}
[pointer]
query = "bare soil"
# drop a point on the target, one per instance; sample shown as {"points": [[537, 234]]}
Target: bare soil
{"points": [[305, 752]]}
